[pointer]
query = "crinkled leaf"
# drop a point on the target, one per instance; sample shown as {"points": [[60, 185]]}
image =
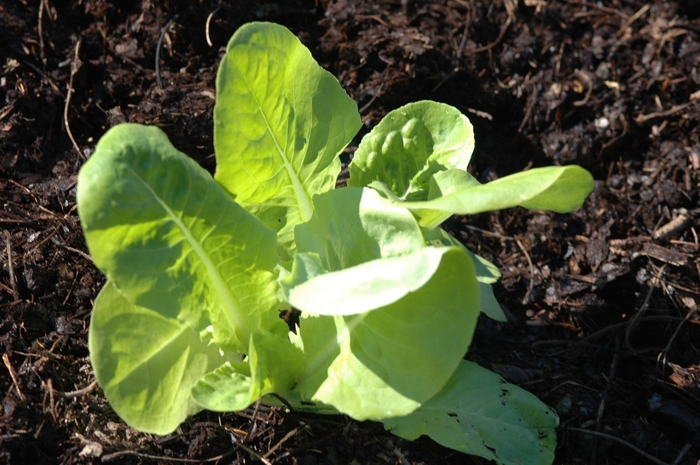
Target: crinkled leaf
{"points": [[147, 363], [479, 413], [410, 145], [280, 122], [558, 188], [273, 365], [388, 361], [172, 240]]}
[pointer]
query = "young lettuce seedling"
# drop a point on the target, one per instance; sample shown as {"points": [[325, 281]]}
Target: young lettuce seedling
{"points": [[198, 267]]}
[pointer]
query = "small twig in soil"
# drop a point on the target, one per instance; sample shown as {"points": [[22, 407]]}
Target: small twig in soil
{"points": [[481, 114], [75, 66], [252, 452], [532, 271], [675, 225], [489, 233], [281, 441], [79, 252], [377, 18], [661, 114], [589, 84], [664, 353], [532, 100], [44, 76], [620, 441], [253, 422], [306, 446], [376, 95], [682, 453], [79, 393], [159, 46], [206, 26], [598, 7], [603, 400], [40, 30], [6, 361], [70, 291], [8, 290], [43, 241], [505, 27], [401, 457], [632, 19], [10, 265], [48, 388], [122, 453]]}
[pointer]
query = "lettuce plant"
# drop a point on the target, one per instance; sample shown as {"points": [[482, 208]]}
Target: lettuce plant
{"points": [[199, 267]]}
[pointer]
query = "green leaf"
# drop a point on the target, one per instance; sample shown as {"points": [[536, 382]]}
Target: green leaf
{"points": [[273, 365], [280, 122], [147, 363], [364, 287], [486, 273], [374, 251], [352, 226], [173, 241], [410, 145], [387, 361], [441, 184], [479, 413], [396, 311], [558, 188]]}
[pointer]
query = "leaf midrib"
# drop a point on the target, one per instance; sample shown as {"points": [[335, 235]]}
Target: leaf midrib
{"points": [[303, 198], [235, 314]]}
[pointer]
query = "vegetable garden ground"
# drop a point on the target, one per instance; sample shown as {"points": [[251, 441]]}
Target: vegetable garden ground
{"points": [[602, 303]]}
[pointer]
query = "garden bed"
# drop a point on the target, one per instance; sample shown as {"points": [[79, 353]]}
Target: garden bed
{"points": [[602, 303]]}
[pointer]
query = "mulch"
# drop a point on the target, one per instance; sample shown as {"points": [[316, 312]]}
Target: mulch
{"points": [[602, 303]]}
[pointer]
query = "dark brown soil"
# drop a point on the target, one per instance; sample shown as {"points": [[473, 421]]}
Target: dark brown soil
{"points": [[602, 302]]}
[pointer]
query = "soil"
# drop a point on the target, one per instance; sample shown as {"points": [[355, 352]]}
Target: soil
{"points": [[602, 303]]}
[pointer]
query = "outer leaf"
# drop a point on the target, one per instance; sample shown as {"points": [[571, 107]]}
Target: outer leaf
{"points": [[173, 241], [273, 365], [558, 188], [410, 145], [388, 361], [146, 363], [280, 122], [477, 412], [486, 273]]}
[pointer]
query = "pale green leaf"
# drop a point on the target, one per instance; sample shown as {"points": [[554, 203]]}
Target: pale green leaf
{"points": [[486, 273], [374, 251], [353, 225], [386, 362], [272, 366], [364, 287], [479, 413], [410, 145], [558, 188], [172, 240], [441, 184], [146, 363], [280, 122]]}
